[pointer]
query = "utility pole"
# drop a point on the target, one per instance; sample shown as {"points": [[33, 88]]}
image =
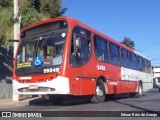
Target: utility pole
{"points": [[16, 37]]}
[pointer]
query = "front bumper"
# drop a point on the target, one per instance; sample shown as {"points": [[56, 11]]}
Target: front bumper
{"points": [[59, 85]]}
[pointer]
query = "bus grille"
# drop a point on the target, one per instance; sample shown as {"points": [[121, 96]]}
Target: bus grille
{"points": [[40, 89]]}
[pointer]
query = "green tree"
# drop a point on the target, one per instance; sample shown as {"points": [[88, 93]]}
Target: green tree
{"points": [[31, 11], [28, 13], [6, 20], [128, 42]]}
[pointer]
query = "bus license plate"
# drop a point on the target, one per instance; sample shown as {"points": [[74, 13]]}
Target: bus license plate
{"points": [[33, 87]]}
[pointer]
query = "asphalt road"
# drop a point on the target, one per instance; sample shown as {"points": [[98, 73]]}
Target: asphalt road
{"points": [[150, 101]]}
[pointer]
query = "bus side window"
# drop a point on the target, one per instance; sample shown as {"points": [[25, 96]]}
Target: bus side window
{"points": [[100, 49], [115, 54], [149, 67], [126, 58], [145, 66], [140, 63], [80, 47], [134, 63]]}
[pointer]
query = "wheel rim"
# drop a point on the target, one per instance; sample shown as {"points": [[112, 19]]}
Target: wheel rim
{"points": [[99, 91], [140, 90]]}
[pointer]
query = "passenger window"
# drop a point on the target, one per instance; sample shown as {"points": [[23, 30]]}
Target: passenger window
{"points": [[115, 54], [100, 49], [80, 47], [126, 58], [147, 66], [133, 57], [134, 61], [140, 59]]}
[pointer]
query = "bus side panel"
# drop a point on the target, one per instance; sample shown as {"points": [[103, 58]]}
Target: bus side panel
{"points": [[82, 80], [115, 87], [112, 73], [81, 86], [87, 86], [128, 86], [113, 78]]}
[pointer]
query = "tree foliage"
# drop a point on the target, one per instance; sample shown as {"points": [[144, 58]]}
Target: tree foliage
{"points": [[30, 11], [5, 3], [6, 20], [128, 42]]}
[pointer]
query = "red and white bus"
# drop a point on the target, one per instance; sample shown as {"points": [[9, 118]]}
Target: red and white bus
{"points": [[62, 56]]}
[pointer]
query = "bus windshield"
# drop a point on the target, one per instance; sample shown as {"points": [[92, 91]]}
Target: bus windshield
{"points": [[41, 51]]}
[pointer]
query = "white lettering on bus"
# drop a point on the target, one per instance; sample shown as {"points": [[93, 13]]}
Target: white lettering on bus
{"points": [[101, 67], [50, 70], [113, 83]]}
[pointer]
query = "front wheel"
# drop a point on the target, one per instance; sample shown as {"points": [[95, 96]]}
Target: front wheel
{"points": [[99, 96]]}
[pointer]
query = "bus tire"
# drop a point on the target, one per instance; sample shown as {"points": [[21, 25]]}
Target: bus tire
{"points": [[139, 93], [55, 99], [140, 90], [159, 89], [99, 96]]}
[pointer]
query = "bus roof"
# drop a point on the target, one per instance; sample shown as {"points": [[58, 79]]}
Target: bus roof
{"points": [[108, 38]]}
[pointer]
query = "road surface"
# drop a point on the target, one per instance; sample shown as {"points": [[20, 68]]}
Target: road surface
{"points": [[149, 102]]}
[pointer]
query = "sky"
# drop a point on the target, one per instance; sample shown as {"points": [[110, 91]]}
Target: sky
{"points": [[137, 19]]}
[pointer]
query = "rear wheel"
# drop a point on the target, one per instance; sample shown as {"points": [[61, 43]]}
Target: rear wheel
{"points": [[140, 91], [99, 96]]}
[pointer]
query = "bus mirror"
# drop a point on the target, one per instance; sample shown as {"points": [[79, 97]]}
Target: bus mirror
{"points": [[78, 42]]}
